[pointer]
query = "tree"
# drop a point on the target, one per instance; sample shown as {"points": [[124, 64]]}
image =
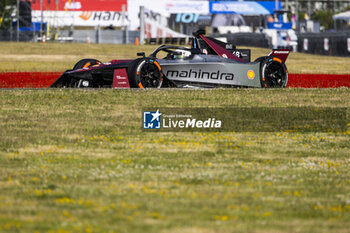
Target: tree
{"points": [[7, 8], [325, 18]]}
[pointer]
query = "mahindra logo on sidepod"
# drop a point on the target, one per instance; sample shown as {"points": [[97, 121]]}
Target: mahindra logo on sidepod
{"points": [[199, 74]]}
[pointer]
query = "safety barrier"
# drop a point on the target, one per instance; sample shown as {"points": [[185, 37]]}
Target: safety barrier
{"points": [[334, 44]]}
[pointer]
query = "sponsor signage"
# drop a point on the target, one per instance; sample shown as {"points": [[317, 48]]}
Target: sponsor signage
{"points": [[244, 8], [191, 18], [120, 79], [279, 26], [326, 44], [81, 5], [156, 26], [81, 18], [165, 8], [199, 74], [81, 13], [152, 30], [306, 44], [186, 6], [155, 17]]}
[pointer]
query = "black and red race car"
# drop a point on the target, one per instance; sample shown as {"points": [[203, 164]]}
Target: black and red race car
{"points": [[207, 63]]}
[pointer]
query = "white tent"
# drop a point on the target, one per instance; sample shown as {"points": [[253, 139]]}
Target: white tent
{"points": [[344, 16]]}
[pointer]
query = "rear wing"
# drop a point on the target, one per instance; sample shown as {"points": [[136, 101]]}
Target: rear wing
{"points": [[280, 53], [209, 45]]}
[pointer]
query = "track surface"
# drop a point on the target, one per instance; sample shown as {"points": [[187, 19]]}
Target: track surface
{"points": [[45, 79]]}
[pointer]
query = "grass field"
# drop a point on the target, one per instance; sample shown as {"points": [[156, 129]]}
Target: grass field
{"points": [[78, 161], [60, 57]]}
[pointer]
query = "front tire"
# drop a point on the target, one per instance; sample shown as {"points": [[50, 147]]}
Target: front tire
{"points": [[145, 73], [273, 73]]}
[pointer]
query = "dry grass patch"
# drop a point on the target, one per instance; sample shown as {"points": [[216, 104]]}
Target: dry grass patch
{"points": [[78, 161], [60, 57]]}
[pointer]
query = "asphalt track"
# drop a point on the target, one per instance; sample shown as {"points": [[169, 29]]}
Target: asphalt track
{"points": [[45, 79]]}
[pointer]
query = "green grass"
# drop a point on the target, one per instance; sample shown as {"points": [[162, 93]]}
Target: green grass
{"points": [[60, 57], [78, 161]]}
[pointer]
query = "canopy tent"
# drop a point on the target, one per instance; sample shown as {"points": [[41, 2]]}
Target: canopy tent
{"points": [[343, 16]]}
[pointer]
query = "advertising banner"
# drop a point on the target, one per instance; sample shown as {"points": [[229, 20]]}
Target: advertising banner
{"points": [[279, 26], [243, 8], [165, 8], [156, 26], [199, 7], [81, 18], [191, 18], [102, 13], [80, 5]]}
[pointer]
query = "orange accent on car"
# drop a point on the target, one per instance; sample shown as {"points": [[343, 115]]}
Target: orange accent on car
{"points": [[87, 65], [277, 59], [97, 64], [140, 85], [157, 64]]}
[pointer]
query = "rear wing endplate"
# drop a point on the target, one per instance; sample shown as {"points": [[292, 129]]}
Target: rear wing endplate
{"points": [[280, 53]]}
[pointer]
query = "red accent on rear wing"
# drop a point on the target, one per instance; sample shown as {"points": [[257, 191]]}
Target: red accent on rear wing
{"points": [[280, 53], [220, 50]]}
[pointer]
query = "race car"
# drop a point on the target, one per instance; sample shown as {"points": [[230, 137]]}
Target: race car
{"points": [[207, 63]]}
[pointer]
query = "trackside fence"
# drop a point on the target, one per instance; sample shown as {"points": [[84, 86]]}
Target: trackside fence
{"points": [[333, 44]]}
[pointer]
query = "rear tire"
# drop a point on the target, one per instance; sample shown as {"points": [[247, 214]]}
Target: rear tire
{"points": [[145, 73], [85, 63], [273, 73]]}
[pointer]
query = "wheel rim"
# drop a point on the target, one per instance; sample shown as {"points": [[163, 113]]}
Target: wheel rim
{"points": [[274, 75], [150, 76]]}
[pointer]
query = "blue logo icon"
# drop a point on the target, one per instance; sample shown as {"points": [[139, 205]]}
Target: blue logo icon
{"points": [[151, 120]]}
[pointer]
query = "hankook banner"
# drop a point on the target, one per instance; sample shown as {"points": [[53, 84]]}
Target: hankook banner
{"points": [[80, 5], [81, 18], [81, 12]]}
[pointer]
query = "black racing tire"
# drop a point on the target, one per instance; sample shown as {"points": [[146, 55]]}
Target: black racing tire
{"points": [[85, 63], [145, 73], [273, 72]]}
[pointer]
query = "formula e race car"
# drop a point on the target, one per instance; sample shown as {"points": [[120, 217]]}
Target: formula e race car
{"points": [[207, 63]]}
